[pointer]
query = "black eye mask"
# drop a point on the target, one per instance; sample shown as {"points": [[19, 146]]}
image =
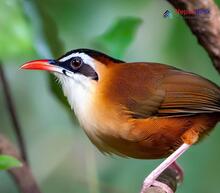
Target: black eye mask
{"points": [[88, 71], [83, 69]]}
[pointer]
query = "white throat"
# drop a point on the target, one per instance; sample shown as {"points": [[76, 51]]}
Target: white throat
{"points": [[78, 90]]}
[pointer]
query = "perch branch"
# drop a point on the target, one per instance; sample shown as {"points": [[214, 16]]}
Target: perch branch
{"points": [[206, 27], [12, 112], [168, 177], [22, 176]]}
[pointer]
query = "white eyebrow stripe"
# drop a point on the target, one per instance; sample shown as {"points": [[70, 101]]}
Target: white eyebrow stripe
{"points": [[68, 57], [86, 59]]}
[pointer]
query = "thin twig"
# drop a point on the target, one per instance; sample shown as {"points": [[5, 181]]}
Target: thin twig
{"points": [[12, 112], [22, 176]]}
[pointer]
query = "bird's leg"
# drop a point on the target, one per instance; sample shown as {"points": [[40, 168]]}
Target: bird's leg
{"points": [[150, 179]]}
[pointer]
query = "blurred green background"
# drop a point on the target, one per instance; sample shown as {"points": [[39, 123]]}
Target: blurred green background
{"points": [[61, 156]]}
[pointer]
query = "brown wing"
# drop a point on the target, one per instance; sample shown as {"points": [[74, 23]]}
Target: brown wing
{"points": [[188, 94], [160, 90]]}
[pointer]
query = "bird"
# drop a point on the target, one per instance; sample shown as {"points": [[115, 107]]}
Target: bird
{"points": [[141, 110]]}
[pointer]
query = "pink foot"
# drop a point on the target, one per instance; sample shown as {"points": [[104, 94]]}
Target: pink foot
{"points": [[168, 162], [159, 184], [147, 183], [163, 186]]}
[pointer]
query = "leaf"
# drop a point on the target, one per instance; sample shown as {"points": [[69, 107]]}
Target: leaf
{"points": [[119, 36], [14, 30], [8, 162]]}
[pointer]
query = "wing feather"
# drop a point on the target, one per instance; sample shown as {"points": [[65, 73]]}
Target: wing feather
{"points": [[177, 93]]}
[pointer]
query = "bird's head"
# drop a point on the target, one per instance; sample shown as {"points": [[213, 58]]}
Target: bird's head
{"points": [[79, 71]]}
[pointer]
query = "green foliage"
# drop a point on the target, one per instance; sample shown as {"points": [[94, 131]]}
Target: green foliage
{"points": [[15, 38], [45, 36], [8, 162], [217, 2], [119, 36], [52, 46]]}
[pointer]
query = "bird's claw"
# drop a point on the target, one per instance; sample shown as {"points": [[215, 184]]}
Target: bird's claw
{"points": [[163, 186], [148, 183]]}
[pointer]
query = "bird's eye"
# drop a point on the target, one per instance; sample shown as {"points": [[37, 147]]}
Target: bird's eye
{"points": [[76, 63]]}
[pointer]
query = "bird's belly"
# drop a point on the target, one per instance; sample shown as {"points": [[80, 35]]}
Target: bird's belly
{"points": [[149, 138], [145, 149], [153, 146]]}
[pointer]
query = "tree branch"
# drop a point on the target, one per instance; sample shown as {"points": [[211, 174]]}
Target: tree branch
{"points": [[170, 177], [22, 176], [12, 112], [206, 27]]}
